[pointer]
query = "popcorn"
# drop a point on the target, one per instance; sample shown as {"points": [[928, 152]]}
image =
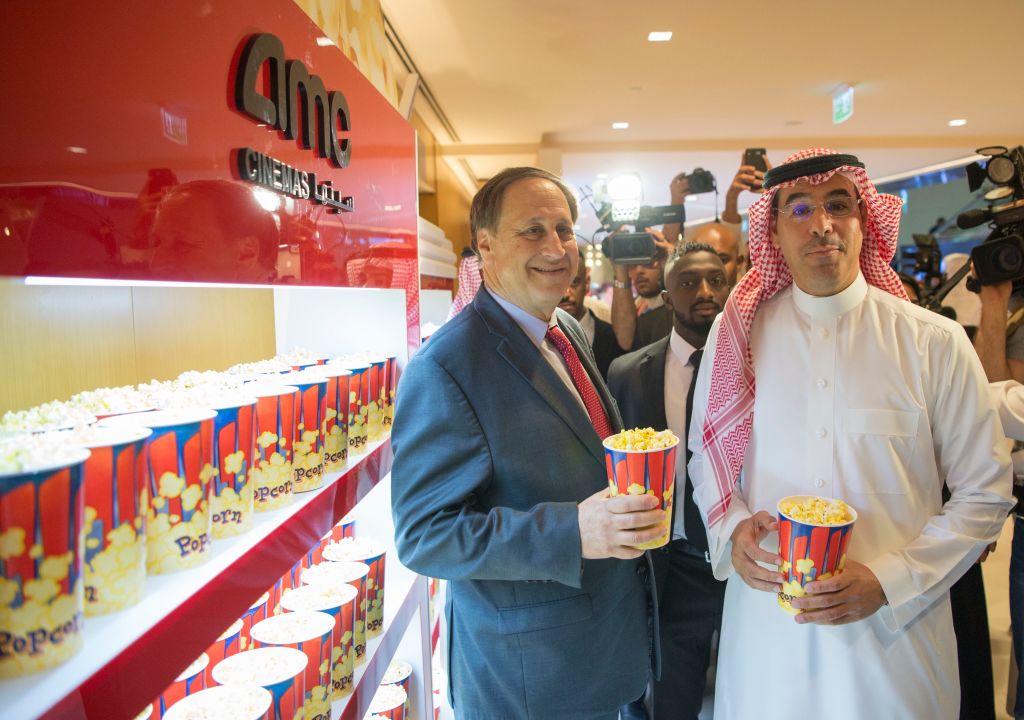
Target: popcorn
{"points": [[106, 401], [48, 416], [32, 453], [397, 671], [817, 511], [642, 440], [387, 697], [226, 702], [262, 666]]}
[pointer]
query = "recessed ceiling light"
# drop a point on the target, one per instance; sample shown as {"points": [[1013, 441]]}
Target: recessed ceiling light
{"points": [[959, 122], [659, 36], [76, 150], [620, 126]]}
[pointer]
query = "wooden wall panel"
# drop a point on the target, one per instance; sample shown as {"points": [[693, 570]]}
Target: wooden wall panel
{"points": [[180, 329], [56, 341]]}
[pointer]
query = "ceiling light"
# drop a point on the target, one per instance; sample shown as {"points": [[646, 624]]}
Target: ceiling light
{"points": [[620, 126], [959, 122], [659, 36]]}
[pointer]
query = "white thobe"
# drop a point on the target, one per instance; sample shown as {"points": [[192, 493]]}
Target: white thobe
{"points": [[868, 398]]}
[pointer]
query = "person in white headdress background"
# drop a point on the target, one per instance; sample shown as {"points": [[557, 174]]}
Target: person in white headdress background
{"points": [[862, 396]]}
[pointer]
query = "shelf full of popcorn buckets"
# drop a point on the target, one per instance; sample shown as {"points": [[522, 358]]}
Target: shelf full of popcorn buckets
{"points": [[116, 484]]}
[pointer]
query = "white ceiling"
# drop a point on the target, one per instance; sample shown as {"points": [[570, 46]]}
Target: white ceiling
{"points": [[541, 81]]}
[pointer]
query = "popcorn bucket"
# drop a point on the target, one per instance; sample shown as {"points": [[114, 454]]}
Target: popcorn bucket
{"points": [[391, 382], [308, 443], [810, 551], [399, 672], [191, 680], [233, 503], [335, 429], [339, 603], [369, 551], [309, 632], [226, 702], [275, 425], [640, 472], [115, 517], [279, 670], [358, 398], [180, 466], [389, 702], [257, 611], [291, 579], [376, 392], [344, 529], [41, 584], [334, 575], [229, 643]]}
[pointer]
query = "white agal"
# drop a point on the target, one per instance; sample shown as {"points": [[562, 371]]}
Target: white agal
{"points": [[227, 702]]}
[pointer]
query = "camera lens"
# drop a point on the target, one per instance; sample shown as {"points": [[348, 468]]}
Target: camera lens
{"points": [[1008, 259]]}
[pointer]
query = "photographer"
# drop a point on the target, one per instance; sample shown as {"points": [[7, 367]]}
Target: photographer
{"points": [[1007, 394]]}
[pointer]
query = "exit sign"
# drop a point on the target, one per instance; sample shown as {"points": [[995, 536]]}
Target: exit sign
{"points": [[842, 104]]}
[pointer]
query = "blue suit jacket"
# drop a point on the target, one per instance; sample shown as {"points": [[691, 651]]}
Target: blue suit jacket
{"points": [[492, 455]]}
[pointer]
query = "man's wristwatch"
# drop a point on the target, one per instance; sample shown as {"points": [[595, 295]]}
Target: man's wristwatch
{"points": [[620, 284]]}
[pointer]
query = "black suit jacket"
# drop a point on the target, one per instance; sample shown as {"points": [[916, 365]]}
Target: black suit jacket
{"points": [[637, 382], [606, 347]]}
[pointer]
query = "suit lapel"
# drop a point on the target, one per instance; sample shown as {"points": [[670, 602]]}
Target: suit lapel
{"points": [[515, 348]]}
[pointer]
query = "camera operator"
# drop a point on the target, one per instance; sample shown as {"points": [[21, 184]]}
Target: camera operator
{"points": [[1004, 375]]}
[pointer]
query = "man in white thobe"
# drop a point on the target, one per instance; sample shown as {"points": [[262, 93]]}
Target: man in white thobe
{"points": [[860, 396]]}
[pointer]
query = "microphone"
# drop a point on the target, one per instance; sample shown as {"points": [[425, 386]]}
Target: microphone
{"points": [[973, 218]]}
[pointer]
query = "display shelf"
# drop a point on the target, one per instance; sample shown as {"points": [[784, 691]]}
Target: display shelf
{"points": [[130, 656]]}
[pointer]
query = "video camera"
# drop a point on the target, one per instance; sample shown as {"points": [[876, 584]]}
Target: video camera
{"points": [[638, 248], [1000, 258]]}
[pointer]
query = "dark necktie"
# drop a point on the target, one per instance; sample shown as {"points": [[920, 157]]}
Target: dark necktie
{"points": [[696, 534], [581, 380]]}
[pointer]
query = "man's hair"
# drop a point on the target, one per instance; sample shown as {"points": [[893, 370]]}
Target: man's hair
{"points": [[688, 248], [485, 212]]}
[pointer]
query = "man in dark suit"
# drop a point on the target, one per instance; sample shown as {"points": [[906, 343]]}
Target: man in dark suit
{"points": [[599, 333], [654, 388], [499, 481]]}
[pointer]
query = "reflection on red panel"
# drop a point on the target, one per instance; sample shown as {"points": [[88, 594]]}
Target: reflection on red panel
{"points": [[119, 161]]}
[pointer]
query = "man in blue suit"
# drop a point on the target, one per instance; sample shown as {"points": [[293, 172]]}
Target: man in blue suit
{"points": [[499, 481]]}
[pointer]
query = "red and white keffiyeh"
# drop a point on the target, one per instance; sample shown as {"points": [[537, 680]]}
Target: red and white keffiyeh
{"points": [[730, 411], [469, 284]]}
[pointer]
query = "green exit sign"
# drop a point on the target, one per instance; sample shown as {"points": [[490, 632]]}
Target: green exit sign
{"points": [[842, 104]]}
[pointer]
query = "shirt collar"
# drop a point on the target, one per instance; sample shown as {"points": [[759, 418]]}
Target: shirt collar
{"points": [[587, 323], [534, 327], [680, 348], [832, 306], [652, 302]]}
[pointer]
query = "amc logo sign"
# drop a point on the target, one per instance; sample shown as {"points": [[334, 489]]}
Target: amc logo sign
{"points": [[298, 103]]}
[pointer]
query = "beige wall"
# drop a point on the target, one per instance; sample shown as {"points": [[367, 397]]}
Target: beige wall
{"points": [[60, 340]]}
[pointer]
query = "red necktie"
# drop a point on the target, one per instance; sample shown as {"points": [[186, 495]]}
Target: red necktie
{"points": [[581, 380]]}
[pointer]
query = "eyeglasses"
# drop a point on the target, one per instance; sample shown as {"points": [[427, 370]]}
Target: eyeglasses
{"points": [[838, 207]]}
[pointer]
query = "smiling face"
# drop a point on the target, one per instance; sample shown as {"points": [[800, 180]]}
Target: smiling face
{"points": [[530, 257], [696, 288], [822, 251]]}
